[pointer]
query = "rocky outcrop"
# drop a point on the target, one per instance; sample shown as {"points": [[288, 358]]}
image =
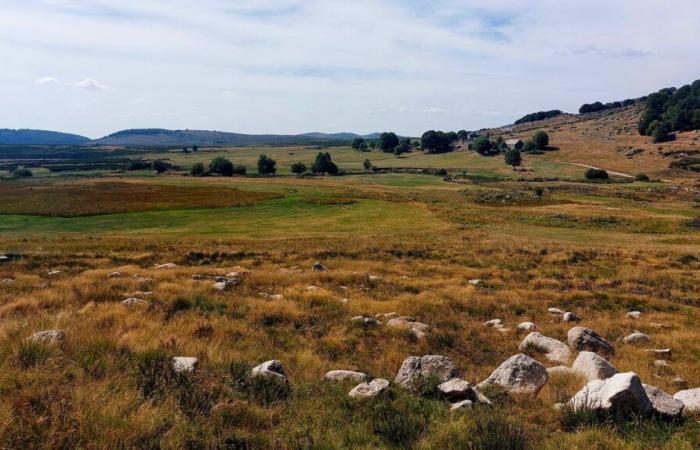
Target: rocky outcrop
{"points": [[664, 405], [345, 375], [416, 368], [519, 374], [554, 350], [690, 398]]}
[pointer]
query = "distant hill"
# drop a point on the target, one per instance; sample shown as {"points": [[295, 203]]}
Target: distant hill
{"points": [[39, 137], [155, 137]]}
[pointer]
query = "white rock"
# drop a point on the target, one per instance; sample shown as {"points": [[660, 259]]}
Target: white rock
{"points": [[571, 317], [312, 288], [114, 275], [167, 266], [663, 403], [365, 321], [662, 367], [520, 375], [184, 364], [270, 369], [475, 282], [7, 281], [494, 323], [690, 398], [345, 375], [371, 277], [664, 353], [457, 389], [53, 273], [636, 338], [224, 285], [554, 350], [527, 326], [429, 366], [634, 314], [418, 329], [618, 395], [369, 390], [387, 316], [592, 366], [464, 404], [277, 297], [48, 336], [318, 267], [134, 301], [555, 311]]}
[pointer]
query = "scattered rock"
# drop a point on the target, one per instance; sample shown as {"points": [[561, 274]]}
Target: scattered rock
{"points": [[457, 389], [134, 301], [680, 383], [418, 329], [114, 275], [664, 353], [527, 326], [345, 375], [592, 366], [634, 314], [555, 311], [662, 367], [270, 369], [312, 288], [621, 395], [554, 350], [387, 316], [48, 336], [224, 285], [663, 403], [318, 267], [365, 321], [4, 258], [53, 273], [494, 323], [7, 281], [184, 364], [571, 317], [690, 398], [371, 277], [416, 367], [585, 339], [167, 266], [197, 277], [636, 338], [520, 375], [277, 297], [464, 404], [475, 282], [369, 390], [659, 325]]}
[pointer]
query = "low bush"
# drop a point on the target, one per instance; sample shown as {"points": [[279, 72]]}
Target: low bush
{"points": [[596, 174]]}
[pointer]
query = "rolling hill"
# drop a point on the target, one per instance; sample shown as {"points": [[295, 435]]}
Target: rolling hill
{"points": [[39, 137]]}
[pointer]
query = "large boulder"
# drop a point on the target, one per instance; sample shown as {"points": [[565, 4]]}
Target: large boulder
{"points": [[690, 398], [48, 336], [456, 389], [571, 317], [663, 403], [519, 374], [584, 339], [621, 395], [592, 366], [526, 326], [554, 350], [270, 369], [369, 390], [345, 375], [416, 367]]}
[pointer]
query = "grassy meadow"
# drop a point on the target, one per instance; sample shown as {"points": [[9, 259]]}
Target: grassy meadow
{"points": [[395, 242]]}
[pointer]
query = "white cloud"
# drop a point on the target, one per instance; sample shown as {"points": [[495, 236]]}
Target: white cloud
{"points": [[91, 85], [300, 65], [46, 80]]}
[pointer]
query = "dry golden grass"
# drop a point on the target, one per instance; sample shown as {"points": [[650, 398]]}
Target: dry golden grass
{"points": [[88, 391]]}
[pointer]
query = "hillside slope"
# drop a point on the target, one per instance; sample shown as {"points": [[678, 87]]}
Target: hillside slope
{"points": [[154, 137], [39, 137], [610, 140]]}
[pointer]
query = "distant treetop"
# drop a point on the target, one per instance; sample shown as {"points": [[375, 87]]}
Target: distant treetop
{"points": [[541, 115]]}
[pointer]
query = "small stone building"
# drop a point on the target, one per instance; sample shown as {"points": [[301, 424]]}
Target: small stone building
{"points": [[516, 144]]}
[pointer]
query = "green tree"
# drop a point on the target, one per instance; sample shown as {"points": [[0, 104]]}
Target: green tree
{"points": [[435, 142], [324, 164], [661, 131], [266, 166], [221, 166], [482, 145], [596, 174], [357, 143], [541, 139], [299, 168], [513, 158], [367, 164], [22, 172], [529, 146], [388, 142], [197, 170], [159, 166], [403, 147]]}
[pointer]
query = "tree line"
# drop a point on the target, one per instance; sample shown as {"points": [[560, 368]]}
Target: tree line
{"points": [[671, 110]]}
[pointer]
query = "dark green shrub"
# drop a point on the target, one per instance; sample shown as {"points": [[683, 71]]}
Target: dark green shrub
{"points": [[197, 170], [324, 164], [388, 142], [482, 145], [299, 168], [541, 139], [266, 166], [22, 172], [641, 177], [221, 166], [596, 174]]}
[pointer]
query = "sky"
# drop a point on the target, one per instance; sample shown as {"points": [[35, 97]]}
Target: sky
{"points": [[94, 67]]}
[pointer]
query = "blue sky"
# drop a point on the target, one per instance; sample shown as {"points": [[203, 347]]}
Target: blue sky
{"points": [[291, 66]]}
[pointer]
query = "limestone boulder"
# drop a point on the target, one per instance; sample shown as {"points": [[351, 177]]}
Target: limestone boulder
{"points": [[584, 339], [416, 368], [554, 350], [621, 395], [369, 390], [592, 366], [270, 369], [345, 375], [48, 336], [664, 404], [690, 398], [519, 375]]}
